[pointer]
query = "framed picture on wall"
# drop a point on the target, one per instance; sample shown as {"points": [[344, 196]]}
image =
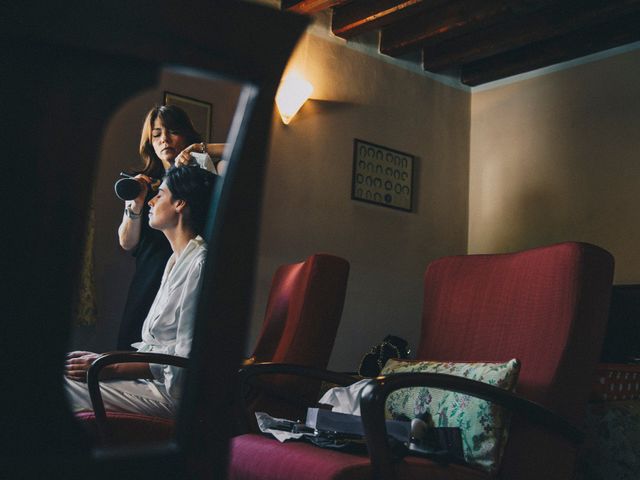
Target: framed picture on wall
{"points": [[382, 175], [199, 112]]}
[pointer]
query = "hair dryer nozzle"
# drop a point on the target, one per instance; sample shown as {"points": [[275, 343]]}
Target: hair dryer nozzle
{"points": [[127, 188]]}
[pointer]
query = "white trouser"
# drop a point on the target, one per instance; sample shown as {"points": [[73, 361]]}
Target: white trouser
{"points": [[136, 396]]}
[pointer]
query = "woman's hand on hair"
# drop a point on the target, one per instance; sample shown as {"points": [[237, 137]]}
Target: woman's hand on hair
{"points": [[184, 157]]}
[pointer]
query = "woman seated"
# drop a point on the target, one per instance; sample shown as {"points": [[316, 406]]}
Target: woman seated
{"points": [[179, 210]]}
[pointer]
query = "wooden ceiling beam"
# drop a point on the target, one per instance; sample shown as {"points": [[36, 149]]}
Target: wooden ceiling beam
{"points": [[310, 6], [554, 21], [485, 40], [359, 17], [556, 50], [451, 19]]}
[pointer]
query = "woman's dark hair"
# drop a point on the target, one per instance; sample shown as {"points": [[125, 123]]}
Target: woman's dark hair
{"points": [[173, 118], [194, 185]]}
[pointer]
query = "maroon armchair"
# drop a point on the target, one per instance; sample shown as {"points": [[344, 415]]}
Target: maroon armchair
{"points": [[546, 306], [301, 320], [300, 325]]}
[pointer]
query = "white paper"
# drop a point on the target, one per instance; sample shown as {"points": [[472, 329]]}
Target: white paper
{"points": [[345, 399], [266, 421]]}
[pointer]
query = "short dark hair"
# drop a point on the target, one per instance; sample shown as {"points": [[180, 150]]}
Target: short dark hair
{"points": [[194, 185]]}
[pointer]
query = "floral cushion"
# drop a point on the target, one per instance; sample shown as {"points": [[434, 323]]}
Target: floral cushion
{"points": [[483, 424]]}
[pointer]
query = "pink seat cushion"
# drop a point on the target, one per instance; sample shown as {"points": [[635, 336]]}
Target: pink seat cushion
{"points": [[256, 456], [130, 428]]}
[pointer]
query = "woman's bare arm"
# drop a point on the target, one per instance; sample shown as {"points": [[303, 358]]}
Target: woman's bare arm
{"points": [[78, 364], [130, 227]]}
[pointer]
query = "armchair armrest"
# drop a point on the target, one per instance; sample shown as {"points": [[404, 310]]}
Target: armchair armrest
{"points": [[375, 394], [269, 368], [110, 358], [249, 375]]}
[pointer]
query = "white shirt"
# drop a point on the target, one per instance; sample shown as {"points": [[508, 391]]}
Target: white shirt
{"points": [[168, 327]]}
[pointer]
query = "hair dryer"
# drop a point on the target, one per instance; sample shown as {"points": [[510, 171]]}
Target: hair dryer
{"points": [[128, 188]]}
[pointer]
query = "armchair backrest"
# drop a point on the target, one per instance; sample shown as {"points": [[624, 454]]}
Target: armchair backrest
{"points": [[303, 311], [300, 325], [545, 306]]}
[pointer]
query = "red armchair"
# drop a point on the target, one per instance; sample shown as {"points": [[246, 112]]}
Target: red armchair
{"points": [[546, 306], [301, 320]]}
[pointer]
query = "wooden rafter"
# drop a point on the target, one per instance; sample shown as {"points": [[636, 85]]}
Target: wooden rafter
{"points": [[554, 21], [451, 19], [359, 17], [483, 39], [310, 6], [559, 49]]}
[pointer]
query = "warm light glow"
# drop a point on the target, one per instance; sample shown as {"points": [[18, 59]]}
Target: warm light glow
{"points": [[293, 92]]}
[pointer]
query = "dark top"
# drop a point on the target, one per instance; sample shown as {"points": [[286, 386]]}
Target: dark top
{"points": [[151, 254]]}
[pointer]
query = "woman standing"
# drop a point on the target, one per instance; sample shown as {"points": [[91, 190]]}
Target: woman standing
{"points": [[168, 137]]}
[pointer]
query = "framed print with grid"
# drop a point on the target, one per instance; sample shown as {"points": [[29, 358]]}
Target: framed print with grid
{"points": [[382, 176]]}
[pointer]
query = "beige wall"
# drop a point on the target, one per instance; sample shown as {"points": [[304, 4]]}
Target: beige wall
{"points": [[307, 206], [555, 158]]}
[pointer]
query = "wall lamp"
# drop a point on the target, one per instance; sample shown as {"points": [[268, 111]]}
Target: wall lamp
{"points": [[293, 92]]}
